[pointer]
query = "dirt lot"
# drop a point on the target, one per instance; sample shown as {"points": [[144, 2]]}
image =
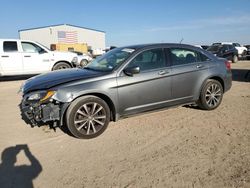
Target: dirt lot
{"points": [[180, 147]]}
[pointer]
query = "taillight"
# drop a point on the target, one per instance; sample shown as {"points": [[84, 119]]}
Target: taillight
{"points": [[228, 65]]}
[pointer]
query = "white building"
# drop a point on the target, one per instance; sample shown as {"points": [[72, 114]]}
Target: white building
{"points": [[64, 33]]}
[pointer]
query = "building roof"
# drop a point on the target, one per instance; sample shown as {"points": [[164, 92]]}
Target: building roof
{"points": [[61, 25]]}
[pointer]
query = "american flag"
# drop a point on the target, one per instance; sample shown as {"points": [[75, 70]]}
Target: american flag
{"points": [[67, 36]]}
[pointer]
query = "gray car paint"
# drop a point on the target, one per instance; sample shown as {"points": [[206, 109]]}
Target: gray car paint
{"points": [[147, 90]]}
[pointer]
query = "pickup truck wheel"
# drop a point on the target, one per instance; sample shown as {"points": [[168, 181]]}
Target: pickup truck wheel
{"points": [[211, 95], [61, 65], [87, 117], [235, 59]]}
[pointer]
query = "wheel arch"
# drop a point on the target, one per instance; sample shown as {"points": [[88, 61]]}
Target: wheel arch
{"points": [[215, 77], [61, 61], [202, 102], [103, 97], [219, 79]]}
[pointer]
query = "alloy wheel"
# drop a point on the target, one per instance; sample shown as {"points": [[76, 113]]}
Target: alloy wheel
{"points": [[213, 95], [90, 118], [63, 67]]}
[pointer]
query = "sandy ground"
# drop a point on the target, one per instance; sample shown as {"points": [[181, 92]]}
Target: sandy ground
{"points": [[179, 147]]}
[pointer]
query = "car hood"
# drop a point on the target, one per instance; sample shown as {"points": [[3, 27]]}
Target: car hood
{"points": [[64, 54], [52, 79]]}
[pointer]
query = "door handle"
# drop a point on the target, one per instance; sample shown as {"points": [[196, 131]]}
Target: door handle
{"points": [[27, 56], [4, 56], [199, 66], [163, 72]]}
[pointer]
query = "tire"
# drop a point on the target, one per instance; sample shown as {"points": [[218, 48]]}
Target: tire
{"points": [[235, 59], [61, 65], [87, 117], [211, 95], [83, 63]]}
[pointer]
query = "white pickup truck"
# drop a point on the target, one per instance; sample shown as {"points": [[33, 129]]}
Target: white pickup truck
{"points": [[23, 57]]}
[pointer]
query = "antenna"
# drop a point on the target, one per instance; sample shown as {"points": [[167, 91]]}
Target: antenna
{"points": [[181, 40]]}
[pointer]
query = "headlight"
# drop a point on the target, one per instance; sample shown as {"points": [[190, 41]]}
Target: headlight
{"points": [[41, 96], [35, 97]]}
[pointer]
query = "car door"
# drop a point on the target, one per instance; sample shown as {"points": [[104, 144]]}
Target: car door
{"points": [[35, 58], [11, 58], [188, 68], [150, 88], [227, 53]]}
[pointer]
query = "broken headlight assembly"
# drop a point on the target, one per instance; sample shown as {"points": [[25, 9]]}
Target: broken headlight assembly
{"points": [[41, 96], [39, 106]]}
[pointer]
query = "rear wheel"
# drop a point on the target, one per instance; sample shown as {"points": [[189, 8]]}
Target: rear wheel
{"points": [[211, 95], [88, 117], [61, 65], [235, 59]]}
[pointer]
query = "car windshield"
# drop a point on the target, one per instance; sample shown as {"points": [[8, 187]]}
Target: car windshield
{"points": [[214, 48], [109, 61]]}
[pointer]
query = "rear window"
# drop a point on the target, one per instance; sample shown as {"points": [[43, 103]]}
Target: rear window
{"points": [[230, 47], [181, 56], [226, 47], [214, 48], [10, 46], [236, 44]]}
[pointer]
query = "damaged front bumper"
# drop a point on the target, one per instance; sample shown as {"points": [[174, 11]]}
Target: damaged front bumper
{"points": [[36, 113]]}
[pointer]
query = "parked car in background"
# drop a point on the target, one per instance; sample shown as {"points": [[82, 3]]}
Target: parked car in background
{"points": [[248, 51], [110, 48], [227, 51], [203, 46], [98, 52], [241, 49], [20, 57], [123, 82], [83, 58]]}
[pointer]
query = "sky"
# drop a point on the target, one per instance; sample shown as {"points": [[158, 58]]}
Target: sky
{"points": [[135, 21]]}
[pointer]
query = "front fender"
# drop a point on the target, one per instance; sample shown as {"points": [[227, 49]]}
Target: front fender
{"points": [[69, 92]]}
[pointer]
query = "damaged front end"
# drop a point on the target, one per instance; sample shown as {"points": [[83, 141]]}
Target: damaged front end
{"points": [[39, 108]]}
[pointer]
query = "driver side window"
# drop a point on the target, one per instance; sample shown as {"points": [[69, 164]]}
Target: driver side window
{"points": [[149, 60]]}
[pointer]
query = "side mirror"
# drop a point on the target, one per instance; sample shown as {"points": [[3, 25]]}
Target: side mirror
{"points": [[130, 71]]}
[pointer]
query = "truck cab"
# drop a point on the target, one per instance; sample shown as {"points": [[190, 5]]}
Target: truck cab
{"points": [[23, 57]]}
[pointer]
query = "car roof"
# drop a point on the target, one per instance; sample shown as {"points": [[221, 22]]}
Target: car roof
{"points": [[231, 43], [22, 40], [141, 46]]}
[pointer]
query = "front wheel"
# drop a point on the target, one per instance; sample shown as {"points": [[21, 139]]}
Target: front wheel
{"points": [[211, 95], [87, 117]]}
